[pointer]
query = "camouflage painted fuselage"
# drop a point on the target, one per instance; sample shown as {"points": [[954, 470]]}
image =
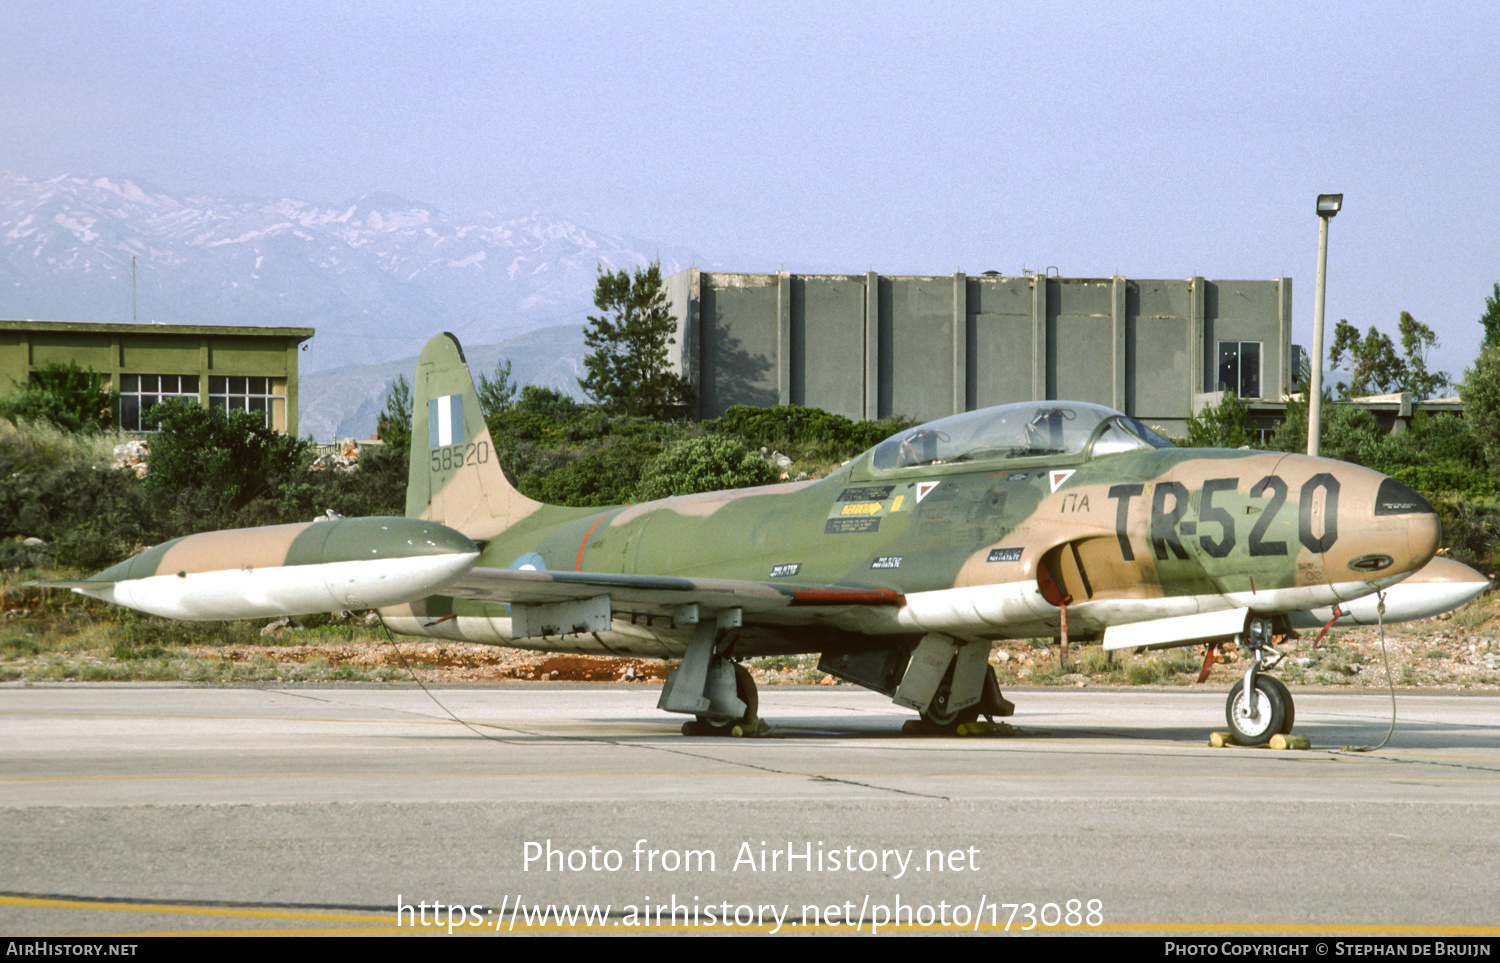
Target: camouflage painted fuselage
{"points": [[989, 543]]}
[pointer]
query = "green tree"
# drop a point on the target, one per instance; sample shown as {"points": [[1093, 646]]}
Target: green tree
{"points": [[1480, 392], [66, 395], [496, 394], [228, 458], [1221, 425], [628, 370], [394, 422], [1376, 368], [1416, 340], [1490, 320]]}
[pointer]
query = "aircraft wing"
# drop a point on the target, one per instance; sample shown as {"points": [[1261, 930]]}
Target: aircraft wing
{"points": [[656, 593]]}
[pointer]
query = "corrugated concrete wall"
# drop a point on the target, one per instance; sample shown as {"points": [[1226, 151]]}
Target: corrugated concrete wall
{"points": [[872, 345]]}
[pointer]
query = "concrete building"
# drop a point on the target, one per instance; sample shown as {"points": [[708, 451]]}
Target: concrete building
{"points": [[872, 345], [242, 368]]}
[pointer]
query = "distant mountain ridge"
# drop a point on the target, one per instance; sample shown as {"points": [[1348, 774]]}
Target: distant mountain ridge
{"points": [[376, 276], [346, 402]]}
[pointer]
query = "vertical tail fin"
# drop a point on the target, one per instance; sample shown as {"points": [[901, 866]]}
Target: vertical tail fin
{"points": [[455, 477]]}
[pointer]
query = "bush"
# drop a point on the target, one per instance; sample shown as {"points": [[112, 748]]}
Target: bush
{"points": [[1220, 425], [1471, 531], [230, 457], [704, 464], [65, 395], [1480, 392], [607, 475], [1448, 478], [58, 488], [798, 431]]}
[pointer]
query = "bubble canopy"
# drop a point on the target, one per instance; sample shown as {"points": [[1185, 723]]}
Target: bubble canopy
{"points": [[1032, 429]]}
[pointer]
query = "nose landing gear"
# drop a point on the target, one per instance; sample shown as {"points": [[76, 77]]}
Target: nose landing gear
{"points": [[1259, 705]]}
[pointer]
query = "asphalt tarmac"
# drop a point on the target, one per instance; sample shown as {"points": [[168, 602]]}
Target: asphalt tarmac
{"points": [[140, 809]]}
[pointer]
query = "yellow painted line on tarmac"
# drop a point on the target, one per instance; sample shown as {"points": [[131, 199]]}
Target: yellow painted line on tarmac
{"points": [[382, 923], [190, 910]]}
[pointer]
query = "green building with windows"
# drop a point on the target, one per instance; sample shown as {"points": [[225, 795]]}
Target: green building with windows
{"points": [[239, 368]]}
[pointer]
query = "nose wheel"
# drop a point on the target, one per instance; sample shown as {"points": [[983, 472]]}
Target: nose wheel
{"points": [[1259, 705], [1255, 715]]}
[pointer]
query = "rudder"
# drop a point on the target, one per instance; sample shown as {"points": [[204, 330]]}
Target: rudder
{"points": [[455, 477]]}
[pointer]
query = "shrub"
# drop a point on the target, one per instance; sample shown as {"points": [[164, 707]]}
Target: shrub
{"points": [[1220, 425], [798, 431], [231, 457], [704, 464], [65, 395]]}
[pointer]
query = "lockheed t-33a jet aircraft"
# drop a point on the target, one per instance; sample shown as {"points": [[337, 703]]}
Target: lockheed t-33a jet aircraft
{"points": [[1043, 519]]}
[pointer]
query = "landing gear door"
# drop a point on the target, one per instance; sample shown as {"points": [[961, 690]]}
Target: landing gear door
{"points": [[939, 659]]}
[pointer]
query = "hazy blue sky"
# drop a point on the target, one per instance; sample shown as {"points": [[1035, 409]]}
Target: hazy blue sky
{"points": [[1152, 140]]}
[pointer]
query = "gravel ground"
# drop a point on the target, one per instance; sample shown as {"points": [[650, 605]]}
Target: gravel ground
{"points": [[1451, 651]]}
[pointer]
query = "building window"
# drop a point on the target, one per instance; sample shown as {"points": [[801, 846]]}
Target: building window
{"points": [[140, 393], [264, 396], [1239, 368]]}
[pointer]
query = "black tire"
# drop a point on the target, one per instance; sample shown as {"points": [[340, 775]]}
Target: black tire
{"points": [[1254, 723], [744, 688], [938, 715], [1286, 703]]}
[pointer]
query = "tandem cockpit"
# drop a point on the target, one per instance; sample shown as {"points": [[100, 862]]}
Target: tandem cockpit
{"points": [[1032, 429]]}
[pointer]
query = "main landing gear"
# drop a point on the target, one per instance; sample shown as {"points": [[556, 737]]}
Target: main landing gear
{"points": [[1259, 705], [719, 694], [747, 723], [950, 684]]}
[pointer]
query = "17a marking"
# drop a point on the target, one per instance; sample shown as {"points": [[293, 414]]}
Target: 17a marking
{"points": [[1073, 502]]}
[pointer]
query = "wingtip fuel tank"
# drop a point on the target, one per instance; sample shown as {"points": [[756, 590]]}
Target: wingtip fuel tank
{"points": [[266, 572]]}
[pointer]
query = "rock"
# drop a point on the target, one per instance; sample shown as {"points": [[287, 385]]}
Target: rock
{"points": [[132, 456], [284, 624]]}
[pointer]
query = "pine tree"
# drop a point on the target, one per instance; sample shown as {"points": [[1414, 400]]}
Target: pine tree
{"points": [[628, 370]]}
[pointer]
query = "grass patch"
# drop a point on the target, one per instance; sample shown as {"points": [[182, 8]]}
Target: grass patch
{"points": [[19, 647], [796, 669]]}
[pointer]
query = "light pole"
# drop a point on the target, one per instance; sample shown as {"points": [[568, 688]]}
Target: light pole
{"points": [[1328, 206]]}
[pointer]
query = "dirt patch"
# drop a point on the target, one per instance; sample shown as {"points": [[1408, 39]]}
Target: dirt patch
{"points": [[450, 661]]}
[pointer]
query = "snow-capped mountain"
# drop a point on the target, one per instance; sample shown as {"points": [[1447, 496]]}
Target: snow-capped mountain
{"points": [[375, 276]]}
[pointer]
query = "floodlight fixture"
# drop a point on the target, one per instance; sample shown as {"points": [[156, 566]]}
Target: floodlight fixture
{"points": [[1329, 204]]}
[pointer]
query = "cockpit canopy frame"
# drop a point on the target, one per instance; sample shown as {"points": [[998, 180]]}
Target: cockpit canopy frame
{"points": [[1026, 433]]}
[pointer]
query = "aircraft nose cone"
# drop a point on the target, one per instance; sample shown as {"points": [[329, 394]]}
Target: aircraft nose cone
{"points": [[1398, 533], [1413, 518]]}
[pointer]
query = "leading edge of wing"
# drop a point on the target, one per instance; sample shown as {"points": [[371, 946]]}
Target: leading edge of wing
{"points": [[507, 585]]}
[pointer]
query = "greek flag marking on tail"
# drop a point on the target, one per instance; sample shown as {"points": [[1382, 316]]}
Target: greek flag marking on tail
{"points": [[445, 421]]}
